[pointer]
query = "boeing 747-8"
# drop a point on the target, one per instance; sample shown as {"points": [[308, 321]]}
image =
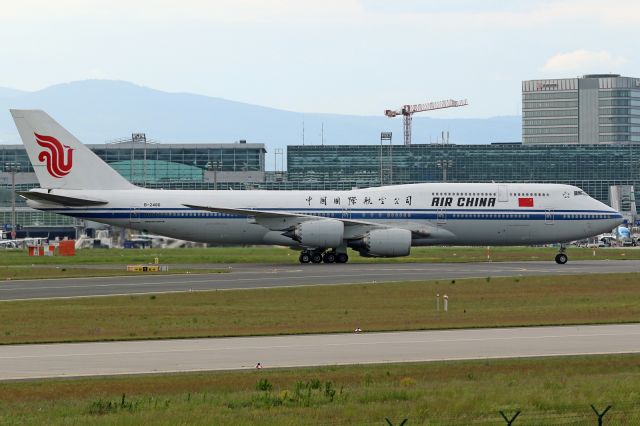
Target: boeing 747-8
{"points": [[378, 222]]}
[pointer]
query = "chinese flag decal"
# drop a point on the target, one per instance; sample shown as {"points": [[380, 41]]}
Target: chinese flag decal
{"points": [[525, 202]]}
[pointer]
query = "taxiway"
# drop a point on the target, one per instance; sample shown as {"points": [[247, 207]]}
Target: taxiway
{"points": [[165, 356], [246, 276]]}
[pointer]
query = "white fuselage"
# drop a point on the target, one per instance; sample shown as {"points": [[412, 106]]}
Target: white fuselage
{"points": [[450, 213]]}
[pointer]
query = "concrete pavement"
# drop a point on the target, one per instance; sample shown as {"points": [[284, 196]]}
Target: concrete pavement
{"points": [[164, 356]]}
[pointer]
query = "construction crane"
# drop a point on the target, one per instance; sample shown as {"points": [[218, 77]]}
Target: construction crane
{"points": [[407, 112]]}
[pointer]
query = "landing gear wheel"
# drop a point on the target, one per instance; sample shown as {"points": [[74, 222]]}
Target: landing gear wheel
{"points": [[342, 258], [316, 258], [561, 258], [329, 257], [304, 257]]}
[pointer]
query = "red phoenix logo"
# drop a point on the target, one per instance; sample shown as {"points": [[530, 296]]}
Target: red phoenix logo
{"points": [[58, 157]]}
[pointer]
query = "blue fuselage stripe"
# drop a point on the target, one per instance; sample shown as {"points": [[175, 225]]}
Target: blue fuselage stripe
{"points": [[363, 214], [315, 210]]}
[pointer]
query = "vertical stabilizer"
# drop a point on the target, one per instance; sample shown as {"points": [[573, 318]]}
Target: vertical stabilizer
{"points": [[59, 159]]}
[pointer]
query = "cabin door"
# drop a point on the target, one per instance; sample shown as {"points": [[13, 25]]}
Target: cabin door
{"points": [[135, 214], [549, 217], [346, 213], [503, 193]]}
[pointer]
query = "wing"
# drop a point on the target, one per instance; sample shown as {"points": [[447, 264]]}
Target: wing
{"points": [[283, 220], [266, 214]]}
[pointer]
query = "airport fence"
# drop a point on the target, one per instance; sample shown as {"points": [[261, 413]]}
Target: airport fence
{"points": [[587, 415]]}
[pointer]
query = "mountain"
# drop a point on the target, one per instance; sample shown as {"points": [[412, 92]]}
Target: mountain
{"points": [[101, 110], [5, 92]]}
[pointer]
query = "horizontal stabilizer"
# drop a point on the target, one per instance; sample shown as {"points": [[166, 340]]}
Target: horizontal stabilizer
{"points": [[60, 199]]}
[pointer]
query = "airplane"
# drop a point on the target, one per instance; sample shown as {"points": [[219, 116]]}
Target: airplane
{"points": [[20, 242], [376, 222]]}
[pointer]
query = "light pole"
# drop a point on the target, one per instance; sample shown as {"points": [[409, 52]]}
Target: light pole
{"points": [[13, 167], [140, 137], [212, 166], [386, 136], [444, 165]]}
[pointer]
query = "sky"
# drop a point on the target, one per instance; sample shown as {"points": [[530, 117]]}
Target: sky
{"points": [[333, 56]]}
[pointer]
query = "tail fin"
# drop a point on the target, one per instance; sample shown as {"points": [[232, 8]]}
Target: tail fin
{"points": [[59, 159]]}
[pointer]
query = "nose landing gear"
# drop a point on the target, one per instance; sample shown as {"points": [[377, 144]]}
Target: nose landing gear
{"points": [[562, 258]]}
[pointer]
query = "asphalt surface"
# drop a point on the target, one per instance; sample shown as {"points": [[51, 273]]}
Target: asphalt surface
{"points": [[265, 276], [246, 276], [164, 356]]}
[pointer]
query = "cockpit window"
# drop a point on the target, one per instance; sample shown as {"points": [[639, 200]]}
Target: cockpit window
{"points": [[578, 193]]}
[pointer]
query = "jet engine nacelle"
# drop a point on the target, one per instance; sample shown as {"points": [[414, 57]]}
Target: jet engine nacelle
{"points": [[318, 233], [385, 243]]}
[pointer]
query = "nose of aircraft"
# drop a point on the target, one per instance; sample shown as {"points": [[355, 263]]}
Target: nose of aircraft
{"points": [[613, 220]]}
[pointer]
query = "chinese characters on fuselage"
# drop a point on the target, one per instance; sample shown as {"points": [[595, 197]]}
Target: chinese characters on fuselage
{"points": [[405, 200]]}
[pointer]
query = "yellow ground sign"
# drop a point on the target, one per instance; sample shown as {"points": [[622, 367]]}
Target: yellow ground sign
{"points": [[146, 268]]}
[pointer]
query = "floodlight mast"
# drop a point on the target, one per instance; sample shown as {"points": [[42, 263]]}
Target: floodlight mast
{"points": [[407, 112]]}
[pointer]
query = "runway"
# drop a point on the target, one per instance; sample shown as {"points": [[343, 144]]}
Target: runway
{"points": [[164, 356], [246, 276]]}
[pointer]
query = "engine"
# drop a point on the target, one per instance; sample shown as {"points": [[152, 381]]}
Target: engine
{"points": [[384, 243], [318, 233]]}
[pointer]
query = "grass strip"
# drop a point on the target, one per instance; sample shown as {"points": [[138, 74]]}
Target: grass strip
{"points": [[545, 390], [280, 255], [484, 302]]}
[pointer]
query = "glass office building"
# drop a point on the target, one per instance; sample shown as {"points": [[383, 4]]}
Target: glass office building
{"points": [[596, 108], [592, 167]]}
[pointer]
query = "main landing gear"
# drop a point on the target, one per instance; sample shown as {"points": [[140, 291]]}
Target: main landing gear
{"points": [[561, 257], [319, 256]]}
